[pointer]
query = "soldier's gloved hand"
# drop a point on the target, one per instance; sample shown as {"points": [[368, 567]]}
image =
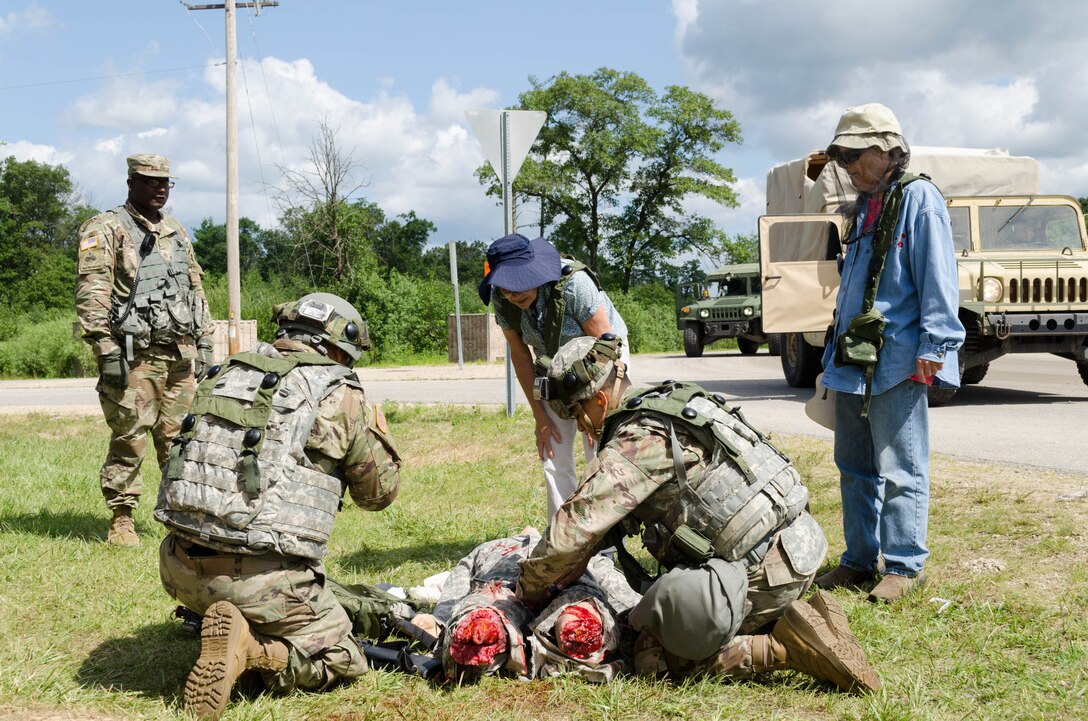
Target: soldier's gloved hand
{"points": [[114, 370], [204, 358]]}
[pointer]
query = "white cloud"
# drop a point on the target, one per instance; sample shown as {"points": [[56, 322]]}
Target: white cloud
{"points": [[30, 19], [955, 72], [24, 151], [410, 158]]}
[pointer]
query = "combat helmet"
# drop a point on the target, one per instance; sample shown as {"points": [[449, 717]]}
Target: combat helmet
{"points": [[578, 370], [324, 318]]}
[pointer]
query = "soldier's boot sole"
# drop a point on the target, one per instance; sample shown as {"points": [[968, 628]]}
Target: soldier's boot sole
{"points": [[224, 639], [828, 608], [815, 649]]}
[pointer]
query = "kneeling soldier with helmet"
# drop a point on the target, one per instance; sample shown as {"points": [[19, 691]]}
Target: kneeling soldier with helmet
{"points": [[249, 493], [718, 506]]}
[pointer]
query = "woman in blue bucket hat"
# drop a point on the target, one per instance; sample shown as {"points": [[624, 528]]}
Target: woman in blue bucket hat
{"points": [[542, 301]]}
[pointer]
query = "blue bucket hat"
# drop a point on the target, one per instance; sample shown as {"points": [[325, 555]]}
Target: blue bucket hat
{"points": [[517, 264]]}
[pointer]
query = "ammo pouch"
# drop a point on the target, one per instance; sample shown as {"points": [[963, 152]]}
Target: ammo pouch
{"points": [[691, 545], [862, 340]]}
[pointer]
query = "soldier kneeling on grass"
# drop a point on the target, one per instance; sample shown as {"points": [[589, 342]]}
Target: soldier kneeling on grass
{"points": [[718, 506], [249, 493]]}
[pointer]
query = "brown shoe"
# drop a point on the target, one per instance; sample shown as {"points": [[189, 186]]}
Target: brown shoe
{"points": [[224, 641], [894, 587], [842, 577], [812, 647], [826, 605], [122, 530]]}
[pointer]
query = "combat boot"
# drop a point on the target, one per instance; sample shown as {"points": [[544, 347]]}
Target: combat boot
{"points": [[806, 640], [122, 528], [227, 648]]}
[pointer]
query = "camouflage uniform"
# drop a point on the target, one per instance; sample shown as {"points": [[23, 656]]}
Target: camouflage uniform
{"points": [[161, 379], [281, 595], [633, 483], [484, 579]]}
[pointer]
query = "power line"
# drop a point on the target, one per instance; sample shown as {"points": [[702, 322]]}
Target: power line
{"points": [[109, 77]]}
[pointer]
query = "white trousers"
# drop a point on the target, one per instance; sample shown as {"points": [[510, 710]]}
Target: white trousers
{"points": [[560, 473]]}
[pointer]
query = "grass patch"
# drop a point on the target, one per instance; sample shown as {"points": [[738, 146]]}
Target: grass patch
{"points": [[86, 629]]}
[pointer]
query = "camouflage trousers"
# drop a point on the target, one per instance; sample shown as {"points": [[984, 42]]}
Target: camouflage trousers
{"points": [[159, 394], [285, 598], [703, 615]]}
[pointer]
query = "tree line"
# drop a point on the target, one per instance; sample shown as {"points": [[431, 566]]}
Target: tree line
{"points": [[609, 181]]}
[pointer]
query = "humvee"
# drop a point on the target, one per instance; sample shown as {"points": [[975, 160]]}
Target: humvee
{"points": [[725, 305], [1022, 258]]}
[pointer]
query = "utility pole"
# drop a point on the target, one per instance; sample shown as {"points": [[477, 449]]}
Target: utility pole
{"points": [[234, 284]]}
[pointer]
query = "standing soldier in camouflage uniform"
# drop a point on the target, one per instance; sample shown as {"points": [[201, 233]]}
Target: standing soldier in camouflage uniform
{"points": [[718, 506], [249, 493], [143, 311]]}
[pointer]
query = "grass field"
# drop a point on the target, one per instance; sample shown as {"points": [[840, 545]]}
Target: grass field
{"points": [[86, 630]]}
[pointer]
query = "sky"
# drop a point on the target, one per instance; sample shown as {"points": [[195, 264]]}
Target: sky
{"points": [[87, 84]]}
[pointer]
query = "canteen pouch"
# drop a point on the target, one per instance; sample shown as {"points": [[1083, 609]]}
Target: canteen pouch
{"points": [[862, 340]]}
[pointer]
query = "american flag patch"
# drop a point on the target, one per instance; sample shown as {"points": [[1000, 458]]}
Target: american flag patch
{"points": [[88, 243]]}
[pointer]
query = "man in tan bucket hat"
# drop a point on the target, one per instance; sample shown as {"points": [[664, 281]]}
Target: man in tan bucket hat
{"points": [[896, 331], [141, 304]]}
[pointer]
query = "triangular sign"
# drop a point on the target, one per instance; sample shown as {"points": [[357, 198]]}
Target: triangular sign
{"points": [[522, 127]]}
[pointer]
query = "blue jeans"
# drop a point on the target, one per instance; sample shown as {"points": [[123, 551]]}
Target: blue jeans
{"points": [[883, 465]]}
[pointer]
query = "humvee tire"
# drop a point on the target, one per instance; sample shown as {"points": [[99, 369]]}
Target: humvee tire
{"points": [[693, 340], [800, 361], [748, 346]]}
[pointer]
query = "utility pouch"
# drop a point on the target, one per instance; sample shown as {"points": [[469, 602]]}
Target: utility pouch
{"points": [[691, 544], [862, 340]]}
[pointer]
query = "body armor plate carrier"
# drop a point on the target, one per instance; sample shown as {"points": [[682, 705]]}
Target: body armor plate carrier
{"points": [[749, 491], [162, 306], [238, 478]]}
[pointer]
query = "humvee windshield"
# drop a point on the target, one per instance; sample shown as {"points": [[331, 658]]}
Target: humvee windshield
{"points": [[1028, 227], [732, 286]]}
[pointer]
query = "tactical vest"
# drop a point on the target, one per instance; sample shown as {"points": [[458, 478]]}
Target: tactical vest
{"points": [[553, 310], [162, 307], [237, 478], [749, 491]]}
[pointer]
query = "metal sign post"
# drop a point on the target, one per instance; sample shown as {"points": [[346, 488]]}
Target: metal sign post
{"points": [[456, 302], [506, 137]]}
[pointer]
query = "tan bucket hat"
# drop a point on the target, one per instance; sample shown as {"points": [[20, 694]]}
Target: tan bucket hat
{"points": [[821, 406], [868, 126]]}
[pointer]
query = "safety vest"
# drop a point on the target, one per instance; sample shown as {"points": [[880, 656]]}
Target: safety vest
{"points": [[162, 306], [237, 478], [553, 310], [749, 491]]}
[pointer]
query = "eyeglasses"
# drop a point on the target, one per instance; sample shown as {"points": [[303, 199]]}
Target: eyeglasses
{"points": [[847, 157], [156, 182]]}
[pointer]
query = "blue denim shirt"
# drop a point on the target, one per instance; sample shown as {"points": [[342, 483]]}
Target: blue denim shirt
{"points": [[918, 295]]}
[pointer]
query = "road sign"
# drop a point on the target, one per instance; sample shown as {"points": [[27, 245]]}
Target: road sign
{"points": [[522, 127], [506, 137]]}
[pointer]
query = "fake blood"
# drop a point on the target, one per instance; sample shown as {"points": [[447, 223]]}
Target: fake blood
{"points": [[478, 638], [578, 631]]}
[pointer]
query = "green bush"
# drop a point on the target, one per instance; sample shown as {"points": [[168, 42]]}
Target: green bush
{"points": [[651, 320], [258, 298], [45, 347]]}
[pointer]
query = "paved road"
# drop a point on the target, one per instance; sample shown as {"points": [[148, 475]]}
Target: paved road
{"points": [[1029, 411]]}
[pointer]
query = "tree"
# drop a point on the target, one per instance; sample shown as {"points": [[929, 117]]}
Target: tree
{"points": [[723, 250], [37, 233], [400, 243], [316, 213], [211, 246], [616, 163]]}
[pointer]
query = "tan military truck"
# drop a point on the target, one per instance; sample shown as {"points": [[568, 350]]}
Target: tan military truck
{"points": [[1023, 259]]}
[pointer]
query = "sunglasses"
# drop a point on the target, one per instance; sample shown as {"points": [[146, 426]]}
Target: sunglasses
{"points": [[155, 182], [847, 157]]}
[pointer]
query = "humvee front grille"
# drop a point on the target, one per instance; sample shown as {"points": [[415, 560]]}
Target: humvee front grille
{"points": [[725, 314], [1048, 290]]}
